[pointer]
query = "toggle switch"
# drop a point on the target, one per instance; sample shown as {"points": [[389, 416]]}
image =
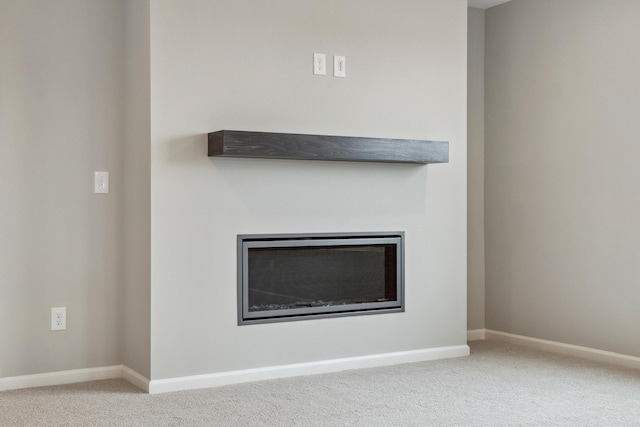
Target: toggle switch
{"points": [[101, 182], [339, 66]]}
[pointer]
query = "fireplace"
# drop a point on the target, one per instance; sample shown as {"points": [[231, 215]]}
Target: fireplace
{"points": [[285, 277]]}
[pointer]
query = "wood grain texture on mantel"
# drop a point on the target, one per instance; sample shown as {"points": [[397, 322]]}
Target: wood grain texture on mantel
{"points": [[269, 145]]}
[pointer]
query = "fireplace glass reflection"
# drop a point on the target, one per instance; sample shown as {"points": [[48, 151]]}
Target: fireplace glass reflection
{"points": [[288, 277]]}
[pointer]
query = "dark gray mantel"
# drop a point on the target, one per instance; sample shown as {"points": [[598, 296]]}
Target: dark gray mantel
{"points": [[267, 145]]}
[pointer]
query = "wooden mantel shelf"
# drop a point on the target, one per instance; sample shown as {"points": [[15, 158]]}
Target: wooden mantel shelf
{"points": [[267, 145]]}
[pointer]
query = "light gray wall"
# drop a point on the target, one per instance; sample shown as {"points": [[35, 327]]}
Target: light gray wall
{"points": [[61, 97], [475, 169], [136, 281], [562, 175], [247, 65]]}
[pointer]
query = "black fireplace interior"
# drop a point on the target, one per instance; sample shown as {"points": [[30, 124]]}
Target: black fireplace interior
{"points": [[288, 277]]}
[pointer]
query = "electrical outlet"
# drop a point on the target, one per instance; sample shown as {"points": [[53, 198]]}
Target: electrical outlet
{"points": [[58, 318], [319, 64]]}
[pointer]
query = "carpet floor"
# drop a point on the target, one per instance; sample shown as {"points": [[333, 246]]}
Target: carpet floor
{"points": [[498, 385]]}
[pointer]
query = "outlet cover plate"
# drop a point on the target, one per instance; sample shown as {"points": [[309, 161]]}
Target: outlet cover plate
{"points": [[58, 318], [320, 64]]}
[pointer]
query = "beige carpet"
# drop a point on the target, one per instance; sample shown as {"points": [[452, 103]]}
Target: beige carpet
{"points": [[499, 384]]}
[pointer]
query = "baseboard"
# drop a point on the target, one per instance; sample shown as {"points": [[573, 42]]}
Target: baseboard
{"points": [[226, 378], [61, 377], [566, 349], [299, 369], [75, 376], [475, 334], [135, 378], [311, 368]]}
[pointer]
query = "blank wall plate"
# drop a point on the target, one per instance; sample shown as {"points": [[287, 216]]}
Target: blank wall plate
{"points": [[58, 318]]}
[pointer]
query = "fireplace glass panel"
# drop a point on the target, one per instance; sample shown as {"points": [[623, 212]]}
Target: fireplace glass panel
{"points": [[293, 277]]}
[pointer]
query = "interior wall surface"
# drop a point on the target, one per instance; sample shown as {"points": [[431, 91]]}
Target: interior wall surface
{"points": [[248, 66], [136, 254], [61, 97], [562, 241], [475, 170]]}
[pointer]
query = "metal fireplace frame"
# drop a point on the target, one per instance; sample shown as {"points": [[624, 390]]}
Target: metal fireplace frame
{"points": [[248, 241]]}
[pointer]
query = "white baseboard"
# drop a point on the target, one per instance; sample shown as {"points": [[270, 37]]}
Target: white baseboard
{"points": [[135, 378], [298, 369], [75, 376], [566, 349], [310, 368], [226, 378], [61, 377], [475, 334]]}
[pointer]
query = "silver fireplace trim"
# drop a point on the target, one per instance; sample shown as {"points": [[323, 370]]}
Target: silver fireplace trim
{"points": [[248, 241]]}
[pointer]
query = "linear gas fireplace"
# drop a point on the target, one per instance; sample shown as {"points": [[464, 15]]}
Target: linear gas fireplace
{"points": [[283, 277]]}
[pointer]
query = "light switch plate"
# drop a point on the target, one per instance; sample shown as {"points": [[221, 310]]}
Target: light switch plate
{"points": [[339, 66], [101, 182]]}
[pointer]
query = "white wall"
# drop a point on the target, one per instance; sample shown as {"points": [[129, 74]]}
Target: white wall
{"points": [[61, 97], [76, 98], [562, 175], [247, 66], [136, 281], [475, 169]]}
